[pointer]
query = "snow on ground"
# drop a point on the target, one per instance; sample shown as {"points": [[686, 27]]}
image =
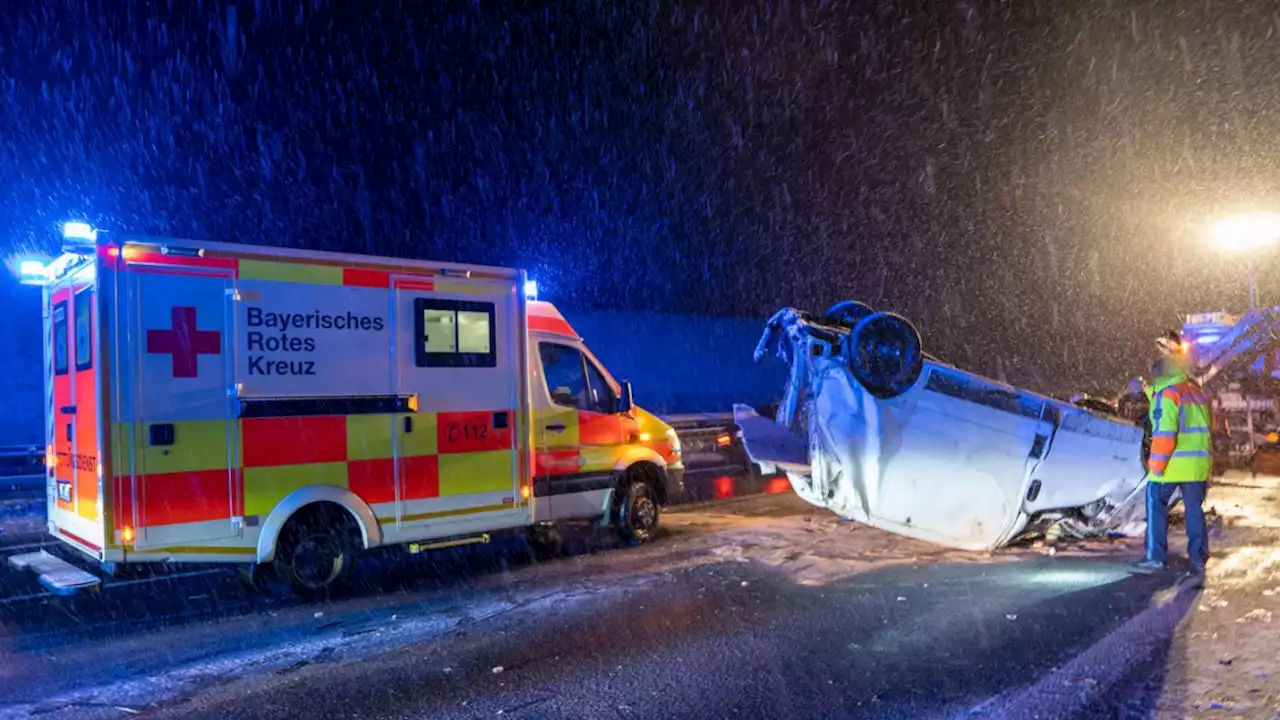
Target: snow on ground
{"points": [[808, 545], [817, 548], [1223, 659]]}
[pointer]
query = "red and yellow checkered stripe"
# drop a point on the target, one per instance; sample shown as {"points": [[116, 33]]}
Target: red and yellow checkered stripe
{"points": [[250, 266], [246, 467]]}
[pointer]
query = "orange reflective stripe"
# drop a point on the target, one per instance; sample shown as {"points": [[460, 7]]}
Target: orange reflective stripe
{"points": [[1163, 446]]}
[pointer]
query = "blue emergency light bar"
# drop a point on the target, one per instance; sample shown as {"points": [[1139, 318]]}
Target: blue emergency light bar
{"points": [[79, 231], [32, 272], [530, 290]]}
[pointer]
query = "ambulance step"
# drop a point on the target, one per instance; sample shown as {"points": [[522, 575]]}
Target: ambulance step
{"points": [[57, 575]]}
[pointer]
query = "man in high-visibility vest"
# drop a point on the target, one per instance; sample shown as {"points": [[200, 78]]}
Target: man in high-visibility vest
{"points": [[1181, 460]]}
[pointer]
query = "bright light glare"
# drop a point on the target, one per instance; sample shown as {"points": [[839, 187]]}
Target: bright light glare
{"points": [[31, 268], [79, 231], [1241, 233], [531, 289], [1074, 577]]}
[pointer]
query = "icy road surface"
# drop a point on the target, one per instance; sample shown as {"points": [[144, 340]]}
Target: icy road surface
{"points": [[762, 607]]}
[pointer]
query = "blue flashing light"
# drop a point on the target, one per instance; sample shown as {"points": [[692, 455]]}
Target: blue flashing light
{"points": [[79, 231], [33, 272], [531, 289]]}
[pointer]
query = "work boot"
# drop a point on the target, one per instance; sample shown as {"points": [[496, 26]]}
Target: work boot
{"points": [[1194, 577], [1148, 566]]}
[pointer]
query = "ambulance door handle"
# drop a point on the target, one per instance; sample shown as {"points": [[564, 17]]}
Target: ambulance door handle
{"points": [[67, 409], [408, 424], [556, 428], [68, 432]]}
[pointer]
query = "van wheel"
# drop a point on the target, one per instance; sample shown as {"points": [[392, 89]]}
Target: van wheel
{"points": [[884, 354], [637, 517], [317, 550]]}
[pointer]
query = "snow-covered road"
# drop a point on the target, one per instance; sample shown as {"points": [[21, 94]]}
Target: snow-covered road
{"points": [[763, 607]]}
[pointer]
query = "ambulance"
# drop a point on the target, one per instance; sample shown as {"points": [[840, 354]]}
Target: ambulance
{"points": [[215, 403]]}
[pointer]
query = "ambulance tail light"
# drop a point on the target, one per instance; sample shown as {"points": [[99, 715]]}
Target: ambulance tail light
{"points": [[126, 535]]}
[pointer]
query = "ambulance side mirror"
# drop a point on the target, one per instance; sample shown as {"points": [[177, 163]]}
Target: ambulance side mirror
{"points": [[626, 402]]}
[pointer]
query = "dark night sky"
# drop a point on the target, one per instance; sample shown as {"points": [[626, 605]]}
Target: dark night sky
{"points": [[1029, 181]]}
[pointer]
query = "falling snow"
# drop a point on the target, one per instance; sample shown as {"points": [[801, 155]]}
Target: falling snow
{"points": [[1027, 182]]}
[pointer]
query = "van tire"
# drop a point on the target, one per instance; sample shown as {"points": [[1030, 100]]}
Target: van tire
{"points": [[317, 548], [636, 519], [884, 354]]}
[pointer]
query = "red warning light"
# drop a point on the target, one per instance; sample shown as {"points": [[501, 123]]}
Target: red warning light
{"points": [[724, 486]]}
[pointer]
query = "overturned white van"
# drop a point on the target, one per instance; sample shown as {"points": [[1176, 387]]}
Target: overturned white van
{"points": [[878, 432]]}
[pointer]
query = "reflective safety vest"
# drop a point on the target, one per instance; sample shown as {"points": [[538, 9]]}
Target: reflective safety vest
{"points": [[1181, 443]]}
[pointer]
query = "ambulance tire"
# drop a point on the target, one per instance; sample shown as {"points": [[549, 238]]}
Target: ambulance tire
{"points": [[316, 551], [884, 354], [636, 519]]}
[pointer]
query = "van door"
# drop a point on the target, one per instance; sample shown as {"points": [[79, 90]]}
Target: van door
{"points": [[73, 338], [580, 433], [461, 455], [178, 409]]}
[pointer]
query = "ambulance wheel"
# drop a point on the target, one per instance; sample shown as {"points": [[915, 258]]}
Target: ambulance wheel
{"points": [[848, 312], [637, 517], [884, 354], [316, 552]]}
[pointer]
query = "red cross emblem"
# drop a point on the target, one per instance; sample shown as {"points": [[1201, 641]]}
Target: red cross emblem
{"points": [[184, 342]]}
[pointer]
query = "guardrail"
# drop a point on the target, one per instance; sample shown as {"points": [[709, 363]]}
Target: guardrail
{"points": [[21, 460], [21, 471]]}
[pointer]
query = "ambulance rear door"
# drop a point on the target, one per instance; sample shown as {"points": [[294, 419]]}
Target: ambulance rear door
{"points": [[72, 426], [178, 473]]}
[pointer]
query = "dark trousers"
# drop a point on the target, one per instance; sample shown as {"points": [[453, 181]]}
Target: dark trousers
{"points": [[1158, 496]]}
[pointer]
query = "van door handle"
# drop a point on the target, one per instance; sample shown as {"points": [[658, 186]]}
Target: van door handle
{"points": [[556, 427]]}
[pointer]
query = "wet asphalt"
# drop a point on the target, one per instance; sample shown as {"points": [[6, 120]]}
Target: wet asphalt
{"points": [[604, 632]]}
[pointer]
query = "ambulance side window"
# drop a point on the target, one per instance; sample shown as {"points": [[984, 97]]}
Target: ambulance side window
{"points": [[454, 333], [84, 329], [562, 369], [60, 338], [602, 398]]}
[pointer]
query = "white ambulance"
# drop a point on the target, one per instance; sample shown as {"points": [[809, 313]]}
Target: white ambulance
{"points": [[213, 403]]}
